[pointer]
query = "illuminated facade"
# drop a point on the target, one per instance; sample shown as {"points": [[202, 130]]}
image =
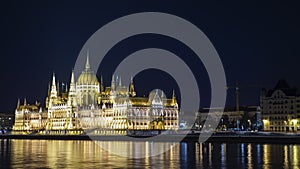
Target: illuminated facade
{"points": [[29, 117], [90, 106], [281, 108]]}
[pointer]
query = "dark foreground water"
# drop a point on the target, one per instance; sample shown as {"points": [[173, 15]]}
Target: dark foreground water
{"points": [[88, 154]]}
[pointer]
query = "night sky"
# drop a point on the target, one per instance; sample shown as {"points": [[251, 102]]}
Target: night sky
{"points": [[258, 44]]}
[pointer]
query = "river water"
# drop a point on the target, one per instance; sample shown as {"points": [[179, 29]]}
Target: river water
{"points": [[88, 154]]}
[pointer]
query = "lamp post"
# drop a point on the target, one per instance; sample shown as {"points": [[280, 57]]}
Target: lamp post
{"points": [[250, 127]]}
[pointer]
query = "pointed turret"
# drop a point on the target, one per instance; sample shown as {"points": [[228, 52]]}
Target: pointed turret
{"points": [[66, 88], [174, 101], [49, 89], [58, 88], [131, 88], [53, 93], [113, 83], [48, 94], [120, 81], [101, 85], [72, 92], [72, 78], [162, 96], [18, 104], [25, 102]]}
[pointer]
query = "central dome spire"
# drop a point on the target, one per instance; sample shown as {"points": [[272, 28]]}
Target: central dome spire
{"points": [[87, 76], [87, 64]]}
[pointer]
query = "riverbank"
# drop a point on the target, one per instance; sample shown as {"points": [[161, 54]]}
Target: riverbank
{"points": [[288, 139]]}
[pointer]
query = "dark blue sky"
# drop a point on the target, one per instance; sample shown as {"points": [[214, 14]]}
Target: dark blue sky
{"points": [[258, 44]]}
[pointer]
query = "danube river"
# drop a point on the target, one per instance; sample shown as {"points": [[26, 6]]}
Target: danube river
{"points": [[88, 154]]}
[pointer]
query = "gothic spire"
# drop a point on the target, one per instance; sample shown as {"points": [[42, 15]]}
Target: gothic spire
{"points": [[49, 89], [72, 91], [120, 82], [72, 83], [53, 93], [173, 94], [66, 88], [113, 83], [101, 85], [18, 104], [58, 88], [174, 101], [131, 88], [53, 79], [162, 95], [72, 78], [87, 63]]}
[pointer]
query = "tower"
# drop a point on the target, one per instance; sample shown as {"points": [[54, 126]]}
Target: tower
{"points": [[87, 86], [120, 82], [102, 86], [113, 88], [113, 83], [131, 88], [18, 104], [174, 101], [58, 88], [48, 95], [72, 92], [25, 102], [53, 93]]}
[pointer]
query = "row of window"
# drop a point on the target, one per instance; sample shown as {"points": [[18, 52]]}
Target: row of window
{"points": [[137, 123], [281, 107], [278, 112], [280, 102]]}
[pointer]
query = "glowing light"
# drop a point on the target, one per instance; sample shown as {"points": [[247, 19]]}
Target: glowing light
{"points": [[294, 121], [265, 121]]}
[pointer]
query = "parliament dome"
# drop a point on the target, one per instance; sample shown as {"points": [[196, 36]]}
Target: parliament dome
{"points": [[87, 77]]}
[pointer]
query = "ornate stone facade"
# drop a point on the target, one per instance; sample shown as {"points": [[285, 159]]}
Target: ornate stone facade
{"points": [[281, 108], [89, 106]]}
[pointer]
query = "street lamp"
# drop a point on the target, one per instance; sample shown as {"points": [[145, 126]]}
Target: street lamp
{"points": [[250, 127]]}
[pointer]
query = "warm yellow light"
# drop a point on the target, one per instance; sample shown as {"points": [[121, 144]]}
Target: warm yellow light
{"points": [[294, 121], [265, 120]]}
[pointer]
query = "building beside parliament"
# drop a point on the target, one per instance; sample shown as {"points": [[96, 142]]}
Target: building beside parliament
{"points": [[281, 108], [87, 105]]}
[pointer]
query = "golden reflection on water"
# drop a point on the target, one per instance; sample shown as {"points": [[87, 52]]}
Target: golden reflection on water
{"points": [[286, 156], [295, 155], [249, 156], [88, 154], [266, 157]]}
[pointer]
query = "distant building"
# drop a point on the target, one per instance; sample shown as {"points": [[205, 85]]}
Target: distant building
{"points": [[246, 118], [6, 120], [280, 108]]}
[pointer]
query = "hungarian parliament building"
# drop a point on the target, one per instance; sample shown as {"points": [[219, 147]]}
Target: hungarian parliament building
{"points": [[89, 106]]}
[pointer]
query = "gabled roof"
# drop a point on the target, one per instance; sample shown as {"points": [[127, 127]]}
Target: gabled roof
{"points": [[284, 87]]}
